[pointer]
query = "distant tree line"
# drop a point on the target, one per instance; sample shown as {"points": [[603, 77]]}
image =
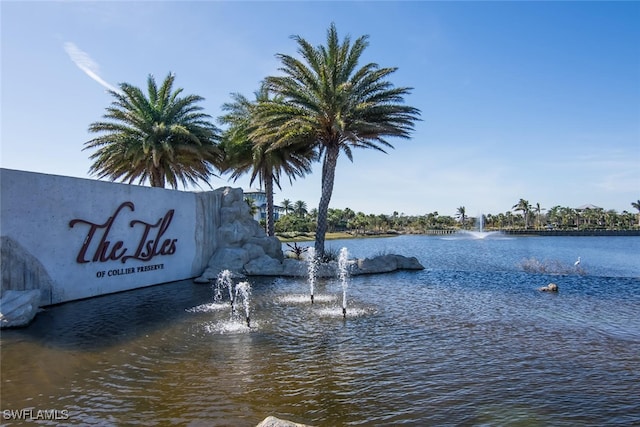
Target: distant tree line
{"points": [[296, 218]]}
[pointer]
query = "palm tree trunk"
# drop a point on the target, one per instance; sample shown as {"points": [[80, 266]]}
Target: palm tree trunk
{"points": [[328, 175], [157, 178], [268, 188]]}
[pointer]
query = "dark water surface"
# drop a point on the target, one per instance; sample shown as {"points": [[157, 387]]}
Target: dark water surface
{"points": [[467, 341]]}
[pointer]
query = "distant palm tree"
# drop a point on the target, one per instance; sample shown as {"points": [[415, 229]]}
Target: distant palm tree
{"points": [[159, 137], [636, 205], [300, 208], [243, 155], [334, 106], [287, 206], [524, 206], [253, 209], [461, 214], [313, 214], [538, 210]]}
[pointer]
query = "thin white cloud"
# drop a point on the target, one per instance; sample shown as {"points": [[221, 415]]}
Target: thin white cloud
{"points": [[86, 64]]}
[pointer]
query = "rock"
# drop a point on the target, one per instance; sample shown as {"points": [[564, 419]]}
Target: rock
{"points": [[241, 244], [385, 264], [264, 266], [18, 308], [294, 268], [204, 278], [229, 258], [21, 271], [272, 421], [381, 264], [551, 287]]}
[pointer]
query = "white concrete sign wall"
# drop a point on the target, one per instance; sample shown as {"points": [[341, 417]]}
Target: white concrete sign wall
{"points": [[93, 237]]}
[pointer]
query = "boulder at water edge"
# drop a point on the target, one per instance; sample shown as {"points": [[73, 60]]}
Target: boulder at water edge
{"points": [[385, 264], [18, 308], [272, 421]]}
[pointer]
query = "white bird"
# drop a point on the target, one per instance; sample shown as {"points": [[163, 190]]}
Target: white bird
{"points": [[577, 263]]}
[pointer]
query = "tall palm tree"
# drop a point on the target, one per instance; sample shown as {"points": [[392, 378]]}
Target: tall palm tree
{"points": [[524, 206], [243, 155], [159, 136], [334, 106], [636, 205], [538, 211]]}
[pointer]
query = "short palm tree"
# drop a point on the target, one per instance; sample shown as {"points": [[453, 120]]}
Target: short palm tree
{"points": [[333, 105], [243, 155], [159, 137]]}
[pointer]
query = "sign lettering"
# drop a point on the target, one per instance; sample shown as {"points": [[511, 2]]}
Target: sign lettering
{"points": [[152, 243]]}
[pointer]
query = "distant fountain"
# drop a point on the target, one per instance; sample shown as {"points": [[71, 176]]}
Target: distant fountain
{"points": [[343, 275], [479, 233], [312, 269]]}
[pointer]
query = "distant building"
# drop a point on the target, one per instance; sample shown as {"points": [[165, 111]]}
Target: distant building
{"points": [[588, 206], [259, 197]]}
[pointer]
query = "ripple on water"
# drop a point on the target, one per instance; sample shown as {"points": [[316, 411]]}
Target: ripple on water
{"points": [[306, 298], [453, 345], [209, 307], [229, 327]]}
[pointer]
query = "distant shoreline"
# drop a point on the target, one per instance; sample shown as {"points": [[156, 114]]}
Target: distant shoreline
{"points": [[306, 237], [594, 232]]}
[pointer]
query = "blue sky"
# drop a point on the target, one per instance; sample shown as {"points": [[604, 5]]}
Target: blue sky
{"points": [[533, 100]]}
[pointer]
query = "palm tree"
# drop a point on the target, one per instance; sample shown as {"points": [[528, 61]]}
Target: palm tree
{"points": [[538, 210], [242, 154], [253, 209], [160, 137], [636, 205], [524, 206], [554, 217], [334, 106], [287, 206], [461, 214], [300, 208]]}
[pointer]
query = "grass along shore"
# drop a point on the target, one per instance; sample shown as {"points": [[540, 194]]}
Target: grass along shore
{"points": [[293, 236], [310, 237]]}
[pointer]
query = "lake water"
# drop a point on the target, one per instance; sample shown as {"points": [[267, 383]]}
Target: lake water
{"points": [[468, 341]]}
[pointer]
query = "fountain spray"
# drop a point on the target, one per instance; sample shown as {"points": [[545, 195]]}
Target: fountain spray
{"points": [[343, 273], [244, 290], [223, 280], [312, 269]]}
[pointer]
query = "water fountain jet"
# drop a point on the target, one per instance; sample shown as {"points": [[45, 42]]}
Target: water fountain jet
{"points": [[312, 269], [343, 275], [243, 289], [223, 280], [479, 232]]}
